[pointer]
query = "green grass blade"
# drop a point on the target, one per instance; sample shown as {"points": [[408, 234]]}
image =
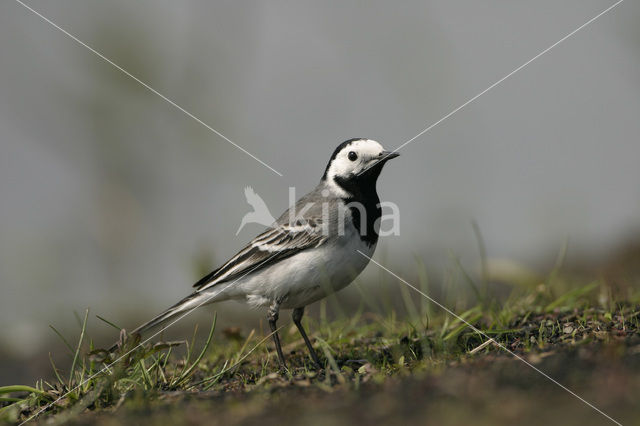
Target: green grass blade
{"points": [[409, 305], [61, 338], [469, 280], [146, 378], [423, 280], [482, 250], [55, 371], [106, 321], [572, 295], [562, 254], [225, 369], [20, 388], [186, 373], [455, 332], [246, 342], [77, 353]]}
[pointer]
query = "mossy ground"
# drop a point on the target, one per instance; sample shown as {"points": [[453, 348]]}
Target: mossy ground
{"points": [[418, 366]]}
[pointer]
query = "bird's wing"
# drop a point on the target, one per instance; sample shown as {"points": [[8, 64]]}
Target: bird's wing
{"points": [[266, 249]]}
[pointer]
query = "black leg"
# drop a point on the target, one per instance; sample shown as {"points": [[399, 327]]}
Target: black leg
{"points": [[272, 316], [297, 317]]}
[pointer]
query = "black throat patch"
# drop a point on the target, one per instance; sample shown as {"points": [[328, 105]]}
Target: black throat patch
{"points": [[363, 197]]}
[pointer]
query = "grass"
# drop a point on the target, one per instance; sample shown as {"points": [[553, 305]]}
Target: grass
{"points": [[407, 354]]}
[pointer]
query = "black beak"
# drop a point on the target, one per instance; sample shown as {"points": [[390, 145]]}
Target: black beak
{"points": [[388, 155], [379, 161]]}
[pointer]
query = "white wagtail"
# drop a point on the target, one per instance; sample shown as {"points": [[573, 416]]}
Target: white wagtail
{"points": [[309, 252]]}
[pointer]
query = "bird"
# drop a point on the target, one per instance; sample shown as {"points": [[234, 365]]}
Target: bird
{"points": [[309, 252], [260, 214]]}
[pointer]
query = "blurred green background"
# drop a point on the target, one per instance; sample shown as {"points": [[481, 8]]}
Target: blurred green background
{"points": [[112, 199]]}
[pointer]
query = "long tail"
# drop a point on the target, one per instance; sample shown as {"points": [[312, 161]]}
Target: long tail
{"points": [[183, 307]]}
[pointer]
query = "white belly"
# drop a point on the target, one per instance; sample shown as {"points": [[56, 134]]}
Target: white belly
{"points": [[305, 277]]}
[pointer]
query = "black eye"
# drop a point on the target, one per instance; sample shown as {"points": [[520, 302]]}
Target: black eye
{"points": [[353, 156]]}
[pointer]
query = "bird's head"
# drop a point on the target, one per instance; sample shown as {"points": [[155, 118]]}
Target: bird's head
{"points": [[357, 160]]}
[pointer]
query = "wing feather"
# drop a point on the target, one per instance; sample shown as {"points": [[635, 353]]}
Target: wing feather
{"points": [[268, 248]]}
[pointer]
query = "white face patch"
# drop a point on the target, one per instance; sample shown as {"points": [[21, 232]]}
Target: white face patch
{"points": [[353, 159]]}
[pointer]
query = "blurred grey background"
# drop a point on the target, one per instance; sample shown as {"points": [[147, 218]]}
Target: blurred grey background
{"points": [[110, 198]]}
